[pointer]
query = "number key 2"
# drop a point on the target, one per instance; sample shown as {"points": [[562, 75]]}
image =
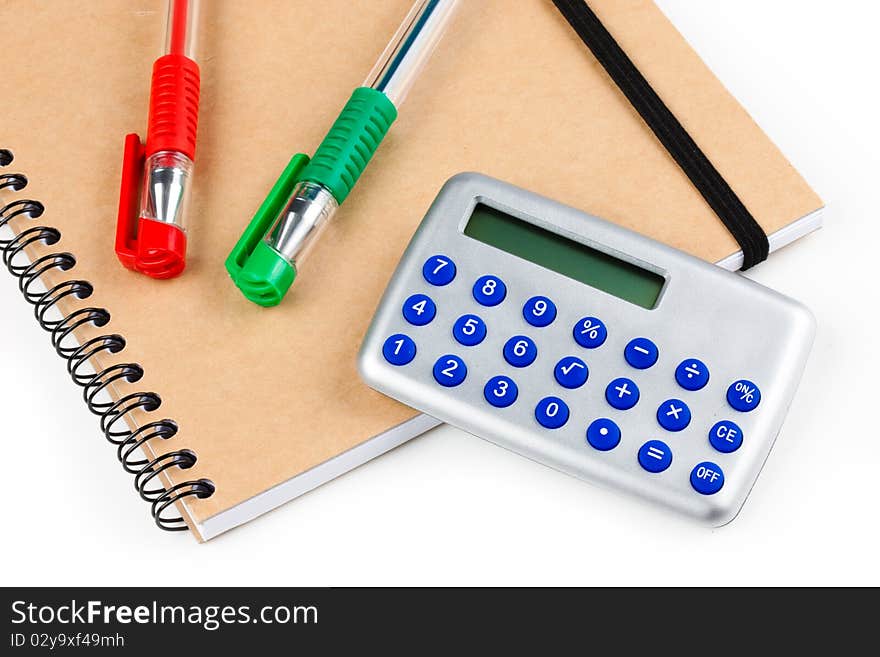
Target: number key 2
{"points": [[450, 371]]}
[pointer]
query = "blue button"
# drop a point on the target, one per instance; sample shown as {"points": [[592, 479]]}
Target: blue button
{"points": [[489, 290], [707, 478], [590, 332], [419, 309], [520, 351], [439, 270], [743, 395], [622, 393], [692, 374], [655, 456], [641, 353], [539, 311], [399, 349], [726, 436], [450, 370], [603, 434], [673, 415], [571, 372], [500, 391], [551, 412], [469, 330]]}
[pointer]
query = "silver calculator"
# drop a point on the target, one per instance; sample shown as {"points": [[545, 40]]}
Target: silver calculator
{"points": [[588, 347]]}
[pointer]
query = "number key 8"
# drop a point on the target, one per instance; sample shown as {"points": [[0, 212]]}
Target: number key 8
{"points": [[489, 290]]}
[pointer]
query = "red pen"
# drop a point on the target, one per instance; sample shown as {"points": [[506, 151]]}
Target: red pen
{"points": [[150, 232]]}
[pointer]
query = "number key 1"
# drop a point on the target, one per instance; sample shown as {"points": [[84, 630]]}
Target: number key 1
{"points": [[399, 349]]}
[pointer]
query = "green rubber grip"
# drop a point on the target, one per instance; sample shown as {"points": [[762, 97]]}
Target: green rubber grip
{"points": [[346, 150], [262, 274]]}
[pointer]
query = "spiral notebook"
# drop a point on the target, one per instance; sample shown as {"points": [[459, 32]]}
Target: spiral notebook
{"points": [[220, 409]]}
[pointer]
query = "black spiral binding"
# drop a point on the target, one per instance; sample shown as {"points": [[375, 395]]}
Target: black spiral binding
{"points": [[128, 442]]}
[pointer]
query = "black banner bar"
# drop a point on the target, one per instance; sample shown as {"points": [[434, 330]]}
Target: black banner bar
{"points": [[254, 621]]}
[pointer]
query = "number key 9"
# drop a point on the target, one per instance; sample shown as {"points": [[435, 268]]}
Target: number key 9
{"points": [[539, 311]]}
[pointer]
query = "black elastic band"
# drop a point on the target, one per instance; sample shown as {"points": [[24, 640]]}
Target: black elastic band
{"points": [[705, 177]]}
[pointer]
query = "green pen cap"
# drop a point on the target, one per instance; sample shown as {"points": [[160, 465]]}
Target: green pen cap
{"points": [[266, 276], [260, 272]]}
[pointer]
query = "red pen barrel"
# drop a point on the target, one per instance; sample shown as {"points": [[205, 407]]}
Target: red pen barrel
{"points": [[174, 92], [156, 177]]}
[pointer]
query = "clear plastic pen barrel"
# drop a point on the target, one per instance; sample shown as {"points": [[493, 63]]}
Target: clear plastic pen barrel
{"points": [[311, 204], [410, 48], [168, 172], [182, 32]]}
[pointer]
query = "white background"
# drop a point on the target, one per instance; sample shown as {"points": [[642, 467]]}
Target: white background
{"points": [[449, 508]]}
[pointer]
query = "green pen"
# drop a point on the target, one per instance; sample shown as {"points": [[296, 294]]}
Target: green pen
{"points": [[264, 262]]}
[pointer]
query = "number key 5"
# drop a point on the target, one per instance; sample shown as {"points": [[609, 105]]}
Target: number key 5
{"points": [[469, 330]]}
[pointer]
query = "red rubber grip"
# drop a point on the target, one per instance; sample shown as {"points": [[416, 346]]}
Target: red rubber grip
{"points": [[174, 106]]}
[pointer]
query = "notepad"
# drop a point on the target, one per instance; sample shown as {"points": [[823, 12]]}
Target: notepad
{"points": [[267, 401]]}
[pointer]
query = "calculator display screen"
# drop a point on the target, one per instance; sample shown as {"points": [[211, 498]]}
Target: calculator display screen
{"points": [[564, 256]]}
